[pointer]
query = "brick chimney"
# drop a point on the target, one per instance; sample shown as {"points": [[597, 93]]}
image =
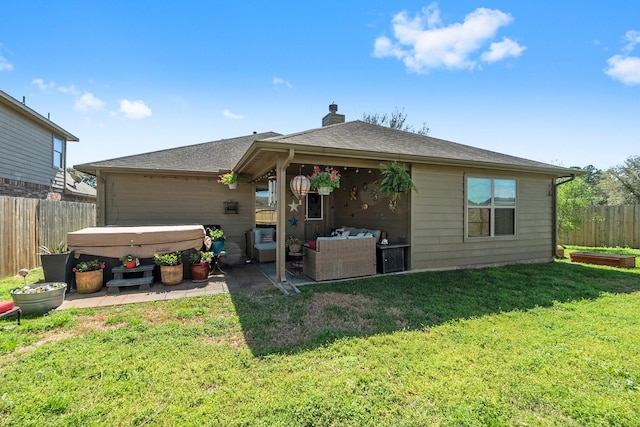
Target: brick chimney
{"points": [[333, 117]]}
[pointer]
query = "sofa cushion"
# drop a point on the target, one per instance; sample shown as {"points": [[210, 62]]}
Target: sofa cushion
{"points": [[259, 232], [5, 306], [265, 246]]}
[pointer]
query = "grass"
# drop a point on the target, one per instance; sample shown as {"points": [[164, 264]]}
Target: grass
{"points": [[550, 344]]}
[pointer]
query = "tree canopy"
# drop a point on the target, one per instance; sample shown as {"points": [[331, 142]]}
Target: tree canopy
{"points": [[397, 119]]}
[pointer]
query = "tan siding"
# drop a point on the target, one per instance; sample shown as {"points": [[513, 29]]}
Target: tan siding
{"points": [[170, 200], [27, 149], [438, 222]]}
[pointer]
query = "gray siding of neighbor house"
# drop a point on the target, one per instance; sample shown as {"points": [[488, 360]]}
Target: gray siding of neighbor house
{"points": [[173, 200], [27, 150], [438, 239]]}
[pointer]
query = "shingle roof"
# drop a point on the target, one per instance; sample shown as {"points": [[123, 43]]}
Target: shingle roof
{"points": [[211, 156], [361, 136]]}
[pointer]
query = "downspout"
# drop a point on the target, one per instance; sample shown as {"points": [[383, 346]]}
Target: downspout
{"points": [[555, 211], [281, 179]]}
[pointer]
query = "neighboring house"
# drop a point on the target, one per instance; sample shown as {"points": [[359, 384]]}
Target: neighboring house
{"points": [[456, 219], [33, 159]]}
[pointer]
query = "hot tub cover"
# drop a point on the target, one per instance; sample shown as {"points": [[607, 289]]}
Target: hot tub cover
{"points": [[115, 242]]}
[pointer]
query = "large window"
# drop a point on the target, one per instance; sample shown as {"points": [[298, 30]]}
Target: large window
{"points": [[58, 152], [491, 207]]}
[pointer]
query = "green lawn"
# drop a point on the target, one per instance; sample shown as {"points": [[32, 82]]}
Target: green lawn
{"points": [[535, 345]]}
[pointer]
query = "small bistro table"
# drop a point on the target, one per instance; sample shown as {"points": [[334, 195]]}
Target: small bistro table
{"points": [[391, 257], [215, 263]]}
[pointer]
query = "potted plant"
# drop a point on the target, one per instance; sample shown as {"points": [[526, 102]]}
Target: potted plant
{"points": [[324, 180], [130, 261], [54, 262], [394, 180], [170, 267], [218, 237], [200, 265], [231, 179], [89, 276], [295, 245]]}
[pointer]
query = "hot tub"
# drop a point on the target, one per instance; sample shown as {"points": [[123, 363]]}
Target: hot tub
{"points": [[143, 241]]}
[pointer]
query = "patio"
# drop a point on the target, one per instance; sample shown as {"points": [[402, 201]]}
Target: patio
{"points": [[238, 278]]}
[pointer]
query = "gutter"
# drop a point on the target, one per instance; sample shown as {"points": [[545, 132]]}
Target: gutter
{"points": [[554, 240]]}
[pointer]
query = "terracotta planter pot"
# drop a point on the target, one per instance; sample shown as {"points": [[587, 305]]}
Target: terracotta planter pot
{"points": [[130, 264], [39, 302], [171, 274], [200, 272], [88, 281]]}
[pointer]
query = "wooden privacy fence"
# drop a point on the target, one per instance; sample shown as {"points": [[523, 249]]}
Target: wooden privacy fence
{"points": [[26, 224], [606, 226]]}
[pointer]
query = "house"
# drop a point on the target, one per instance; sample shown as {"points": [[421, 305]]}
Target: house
{"points": [[33, 148], [473, 207]]}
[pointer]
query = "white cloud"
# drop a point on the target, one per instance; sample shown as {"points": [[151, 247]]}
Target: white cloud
{"points": [[229, 115], [5, 65], [42, 85], [501, 50], [423, 43], [625, 69], [71, 89], [88, 102], [633, 38], [279, 81], [134, 109]]}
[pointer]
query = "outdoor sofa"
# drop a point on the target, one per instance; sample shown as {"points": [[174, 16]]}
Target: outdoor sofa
{"points": [[340, 257]]}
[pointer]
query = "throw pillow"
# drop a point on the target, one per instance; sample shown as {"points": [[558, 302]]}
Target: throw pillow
{"points": [[267, 238]]}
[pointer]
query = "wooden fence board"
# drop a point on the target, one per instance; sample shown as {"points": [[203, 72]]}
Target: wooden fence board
{"points": [[25, 224], [611, 226]]}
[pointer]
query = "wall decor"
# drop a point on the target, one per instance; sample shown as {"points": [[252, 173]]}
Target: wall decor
{"points": [[230, 207]]}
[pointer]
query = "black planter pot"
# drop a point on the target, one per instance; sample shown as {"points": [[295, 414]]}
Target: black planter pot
{"points": [[56, 267]]}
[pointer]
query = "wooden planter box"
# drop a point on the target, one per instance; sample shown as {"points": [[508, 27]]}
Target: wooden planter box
{"points": [[613, 260]]}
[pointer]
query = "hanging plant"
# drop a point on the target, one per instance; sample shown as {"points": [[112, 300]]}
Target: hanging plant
{"points": [[394, 180]]}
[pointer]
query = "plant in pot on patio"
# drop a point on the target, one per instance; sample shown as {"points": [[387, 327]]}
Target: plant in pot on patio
{"points": [[394, 180], [218, 237], [89, 276], [325, 181], [130, 261], [200, 265], [39, 297], [170, 267], [295, 245], [231, 179], [54, 262]]}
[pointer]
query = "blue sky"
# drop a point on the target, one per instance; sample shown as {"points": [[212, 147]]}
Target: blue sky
{"points": [[553, 81]]}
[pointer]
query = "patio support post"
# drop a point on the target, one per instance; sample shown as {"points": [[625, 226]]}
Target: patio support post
{"points": [[281, 180]]}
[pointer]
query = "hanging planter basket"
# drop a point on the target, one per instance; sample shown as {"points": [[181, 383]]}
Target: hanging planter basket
{"points": [[324, 191], [233, 186]]}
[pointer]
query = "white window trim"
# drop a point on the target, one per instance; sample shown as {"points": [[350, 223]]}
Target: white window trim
{"points": [[492, 237], [54, 152]]}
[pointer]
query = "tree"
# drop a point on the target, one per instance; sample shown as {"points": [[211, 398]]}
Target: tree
{"points": [[622, 182], [573, 196], [396, 120]]}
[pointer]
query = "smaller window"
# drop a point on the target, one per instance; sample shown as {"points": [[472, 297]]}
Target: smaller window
{"points": [[57, 152]]}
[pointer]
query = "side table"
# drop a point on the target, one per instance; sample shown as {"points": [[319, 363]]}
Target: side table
{"points": [[296, 262], [390, 258]]}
